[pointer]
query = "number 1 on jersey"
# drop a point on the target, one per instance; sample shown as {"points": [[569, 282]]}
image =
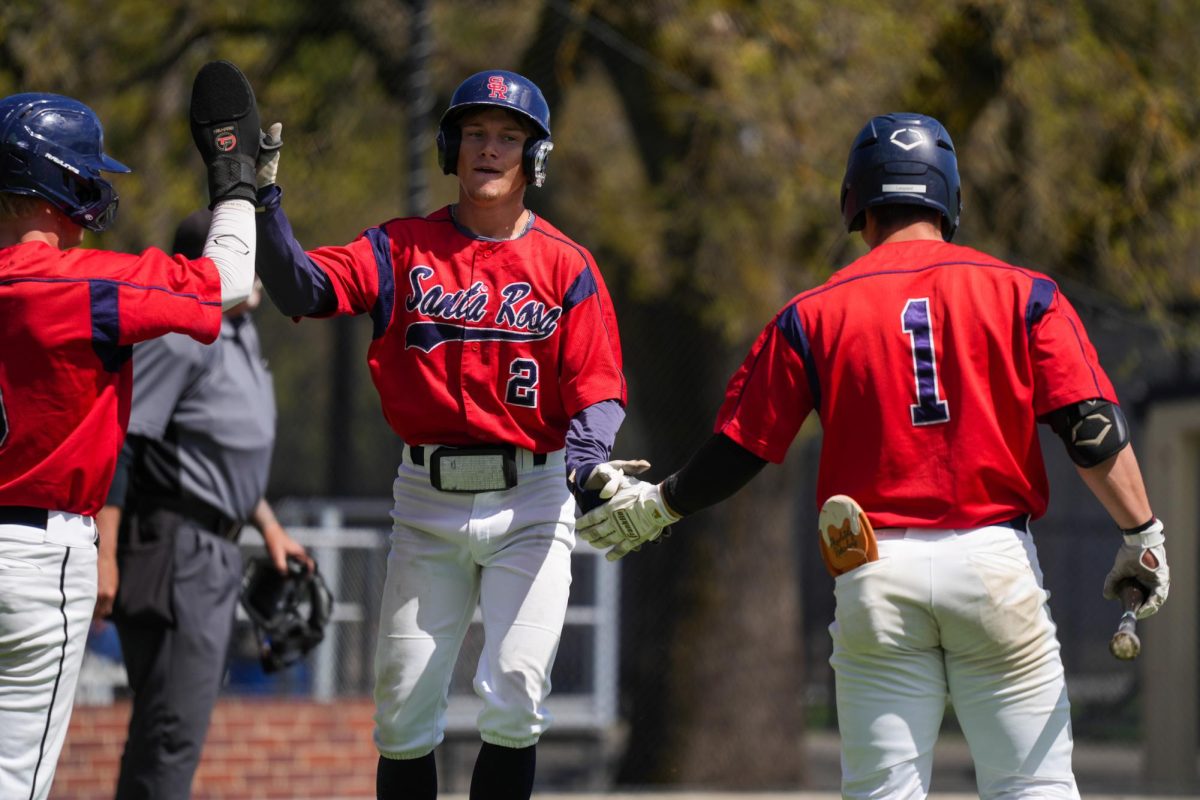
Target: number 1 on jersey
{"points": [[929, 408]]}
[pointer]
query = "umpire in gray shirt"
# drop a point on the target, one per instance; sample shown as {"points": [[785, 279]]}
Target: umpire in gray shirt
{"points": [[193, 469]]}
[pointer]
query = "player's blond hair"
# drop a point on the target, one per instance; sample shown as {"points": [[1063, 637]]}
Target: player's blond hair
{"points": [[18, 206]]}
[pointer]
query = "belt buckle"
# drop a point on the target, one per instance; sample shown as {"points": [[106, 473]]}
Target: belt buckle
{"points": [[473, 470]]}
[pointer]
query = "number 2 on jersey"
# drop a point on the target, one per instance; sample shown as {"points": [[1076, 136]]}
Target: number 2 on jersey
{"points": [[929, 408], [522, 386]]}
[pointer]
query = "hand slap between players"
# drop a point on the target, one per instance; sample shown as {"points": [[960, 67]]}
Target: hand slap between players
{"points": [[1144, 558], [636, 514], [225, 128], [610, 476]]}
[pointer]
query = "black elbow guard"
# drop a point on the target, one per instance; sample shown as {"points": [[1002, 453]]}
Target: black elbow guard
{"points": [[1093, 431]]}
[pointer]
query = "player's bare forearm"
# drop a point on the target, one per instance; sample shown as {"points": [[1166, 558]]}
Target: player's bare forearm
{"points": [[108, 521], [1117, 484]]}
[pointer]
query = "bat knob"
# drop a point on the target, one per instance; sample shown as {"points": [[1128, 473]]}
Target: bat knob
{"points": [[1125, 646]]}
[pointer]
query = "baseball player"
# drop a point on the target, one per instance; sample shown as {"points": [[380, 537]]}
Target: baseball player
{"points": [[68, 317], [930, 365], [497, 361]]}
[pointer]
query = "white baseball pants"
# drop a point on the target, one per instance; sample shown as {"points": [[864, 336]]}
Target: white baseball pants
{"points": [[960, 614], [47, 593], [509, 552]]}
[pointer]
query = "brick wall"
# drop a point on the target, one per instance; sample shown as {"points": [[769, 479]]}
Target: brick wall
{"points": [[256, 748]]}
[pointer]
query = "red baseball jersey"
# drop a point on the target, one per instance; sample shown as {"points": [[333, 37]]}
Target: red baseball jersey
{"points": [[68, 320], [929, 365], [476, 340]]}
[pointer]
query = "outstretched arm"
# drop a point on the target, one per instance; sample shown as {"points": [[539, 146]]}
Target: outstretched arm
{"points": [[717, 471], [295, 284]]}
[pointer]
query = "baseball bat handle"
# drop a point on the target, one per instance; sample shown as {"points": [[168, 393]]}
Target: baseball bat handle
{"points": [[1125, 644], [1132, 594]]}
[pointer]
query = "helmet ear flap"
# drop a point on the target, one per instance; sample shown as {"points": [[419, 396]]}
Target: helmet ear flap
{"points": [[536, 153], [449, 137]]}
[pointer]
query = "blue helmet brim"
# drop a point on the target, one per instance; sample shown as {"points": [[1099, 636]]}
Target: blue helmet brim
{"points": [[109, 164]]}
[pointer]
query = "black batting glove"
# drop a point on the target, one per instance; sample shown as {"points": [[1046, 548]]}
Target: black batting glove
{"points": [[225, 127]]}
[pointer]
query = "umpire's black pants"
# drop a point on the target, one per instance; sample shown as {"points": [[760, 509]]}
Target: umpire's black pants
{"points": [[176, 670]]}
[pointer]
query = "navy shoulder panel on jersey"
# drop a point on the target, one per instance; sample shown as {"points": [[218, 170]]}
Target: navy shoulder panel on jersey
{"points": [[789, 324], [106, 325], [583, 287], [385, 301], [1040, 299], [585, 284]]}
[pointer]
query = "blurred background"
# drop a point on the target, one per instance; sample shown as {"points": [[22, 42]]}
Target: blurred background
{"points": [[699, 149]]}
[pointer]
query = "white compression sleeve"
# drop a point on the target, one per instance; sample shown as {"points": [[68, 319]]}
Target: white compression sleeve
{"points": [[230, 245]]}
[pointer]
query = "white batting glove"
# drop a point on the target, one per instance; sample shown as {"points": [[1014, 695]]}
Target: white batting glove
{"points": [[266, 168], [636, 514], [609, 476], [1132, 562]]}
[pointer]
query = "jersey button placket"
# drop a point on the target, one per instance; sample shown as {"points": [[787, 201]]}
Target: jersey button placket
{"points": [[469, 359]]}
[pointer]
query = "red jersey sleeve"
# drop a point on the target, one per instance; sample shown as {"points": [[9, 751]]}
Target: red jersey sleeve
{"points": [[770, 395], [354, 271], [140, 297], [591, 347], [1066, 368]]}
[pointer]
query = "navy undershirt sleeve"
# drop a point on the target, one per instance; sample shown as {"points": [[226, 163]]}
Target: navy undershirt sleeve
{"points": [[590, 438], [295, 284]]}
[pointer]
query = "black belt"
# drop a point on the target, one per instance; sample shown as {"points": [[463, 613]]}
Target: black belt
{"points": [[417, 452], [1017, 523], [24, 515], [197, 511]]}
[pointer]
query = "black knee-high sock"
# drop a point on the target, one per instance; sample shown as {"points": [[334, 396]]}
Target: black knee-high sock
{"points": [[408, 779], [503, 773]]}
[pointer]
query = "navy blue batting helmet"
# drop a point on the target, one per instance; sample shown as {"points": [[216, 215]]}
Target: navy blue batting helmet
{"points": [[906, 159], [506, 90], [52, 147]]}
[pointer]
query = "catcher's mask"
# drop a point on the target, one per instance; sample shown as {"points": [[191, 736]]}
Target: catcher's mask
{"points": [[289, 611]]}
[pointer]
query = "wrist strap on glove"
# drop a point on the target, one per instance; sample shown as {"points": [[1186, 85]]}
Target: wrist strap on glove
{"points": [[1149, 534]]}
